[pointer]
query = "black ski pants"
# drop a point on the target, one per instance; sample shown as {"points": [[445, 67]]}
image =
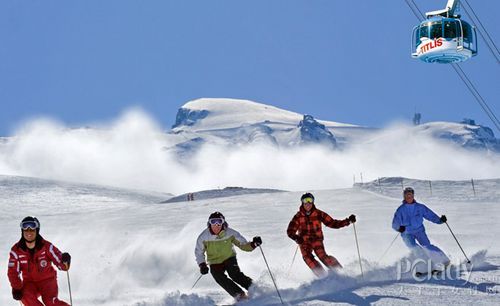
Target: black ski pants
{"points": [[230, 265]]}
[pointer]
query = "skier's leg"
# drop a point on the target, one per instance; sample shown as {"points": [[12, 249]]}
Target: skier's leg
{"points": [[311, 262], [235, 273], [327, 260], [49, 291], [419, 265], [436, 255], [219, 274], [30, 295], [409, 240]]}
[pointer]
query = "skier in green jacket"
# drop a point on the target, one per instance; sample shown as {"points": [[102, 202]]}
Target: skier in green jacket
{"points": [[217, 242]]}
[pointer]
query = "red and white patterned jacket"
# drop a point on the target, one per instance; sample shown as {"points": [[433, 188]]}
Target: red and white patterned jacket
{"points": [[34, 265], [309, 226]]}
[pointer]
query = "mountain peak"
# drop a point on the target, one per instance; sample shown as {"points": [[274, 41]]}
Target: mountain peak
{"points": [[217, 113], [311, 131]]}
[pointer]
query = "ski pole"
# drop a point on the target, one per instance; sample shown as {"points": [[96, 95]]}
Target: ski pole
{"points": [[357, 246], [293, 260], [468, 260], [196, 282], [272, 278], [397, 235], [69, 288]]}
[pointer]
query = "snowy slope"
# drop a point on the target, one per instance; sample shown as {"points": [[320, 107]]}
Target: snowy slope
{"points": [[129, 250], [218, 193]]}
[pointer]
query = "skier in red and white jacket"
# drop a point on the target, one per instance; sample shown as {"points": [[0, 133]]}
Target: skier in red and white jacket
{"points": [[30, 271]]}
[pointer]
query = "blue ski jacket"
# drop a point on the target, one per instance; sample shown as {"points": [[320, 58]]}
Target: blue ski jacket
{"points": [[412, 217]]}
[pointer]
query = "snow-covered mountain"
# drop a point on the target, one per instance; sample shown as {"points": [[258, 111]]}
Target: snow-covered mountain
{"points": [[242, 122], [223, 142], [465, 134]]}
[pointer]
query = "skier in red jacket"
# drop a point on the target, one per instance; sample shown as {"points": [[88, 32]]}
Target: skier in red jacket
{"points": [[306, 230], [32, 258]]}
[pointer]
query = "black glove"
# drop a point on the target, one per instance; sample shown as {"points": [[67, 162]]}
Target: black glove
{"points": [[352, 218], [66, 258], [203, 268], [402, 228], [443, 219], [256, 241], [299, 239], [17, 294]]}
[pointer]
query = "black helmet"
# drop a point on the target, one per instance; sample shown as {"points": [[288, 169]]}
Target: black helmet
{"points": [[217, 215], [30, 222], [306, 195], [408, 190]]}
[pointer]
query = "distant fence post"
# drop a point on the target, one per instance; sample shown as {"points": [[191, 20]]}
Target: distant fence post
{"points": [[379, 186], [430, 187], [402, 185], [361, 176], [473, 188], [354, 179]]}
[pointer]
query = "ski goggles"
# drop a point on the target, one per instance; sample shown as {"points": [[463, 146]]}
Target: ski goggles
{"points": [[216, 221], [33, 225], [307, 200]]}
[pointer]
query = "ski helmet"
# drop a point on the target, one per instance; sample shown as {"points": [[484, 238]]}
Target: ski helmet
{"points": [[217, 215], [408, 190], [30, 222], [306, 195]]}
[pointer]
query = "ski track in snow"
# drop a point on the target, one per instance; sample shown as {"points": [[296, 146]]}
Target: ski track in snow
{"points": [[129, 250]]}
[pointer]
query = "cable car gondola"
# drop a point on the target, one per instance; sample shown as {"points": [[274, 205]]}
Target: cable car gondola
{"points": [[443, 37]]}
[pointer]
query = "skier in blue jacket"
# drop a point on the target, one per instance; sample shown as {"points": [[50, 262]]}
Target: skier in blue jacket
{"points": [[408, 220]]}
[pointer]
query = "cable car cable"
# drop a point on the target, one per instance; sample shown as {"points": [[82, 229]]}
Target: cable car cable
{"points": [[481, 24], [476, 94], [464, 78], [419, 15], [484, 38], [495, 54]]}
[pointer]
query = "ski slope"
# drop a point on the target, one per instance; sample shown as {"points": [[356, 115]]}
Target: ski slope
{"points": [[128, 249]]}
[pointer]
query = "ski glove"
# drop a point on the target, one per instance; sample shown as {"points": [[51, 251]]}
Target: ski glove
{"points": [[17, 294], [298, 239], [66, 258], [203, 268], [402, 228], [352, 218], [256, 241], [443, 219]]}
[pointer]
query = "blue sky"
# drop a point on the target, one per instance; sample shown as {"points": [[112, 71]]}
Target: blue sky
{"points": [[348, 61]]}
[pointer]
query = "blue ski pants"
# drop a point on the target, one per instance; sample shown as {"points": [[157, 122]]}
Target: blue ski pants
{"points": [[435, 254]]}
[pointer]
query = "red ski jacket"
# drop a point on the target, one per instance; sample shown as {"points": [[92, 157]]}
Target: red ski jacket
{"points": [[308, 226], [34, 265]]}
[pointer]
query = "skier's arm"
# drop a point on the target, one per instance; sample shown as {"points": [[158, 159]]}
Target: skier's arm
{"points": [[199, 251], [14, 271], [431, 216], [397, 220], [56, 257], [240, 241], [333, 223], [293, 227]]}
